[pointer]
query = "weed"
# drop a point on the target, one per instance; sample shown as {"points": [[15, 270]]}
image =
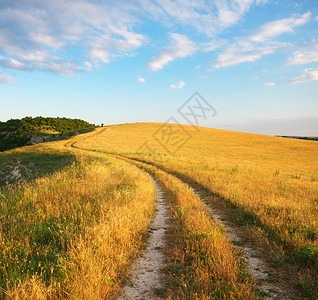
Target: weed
{"points": [[308, 254], [314, 178]]}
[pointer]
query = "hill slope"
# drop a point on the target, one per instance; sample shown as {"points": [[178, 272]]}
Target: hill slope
{"points": [[265, 188], [16, 133]]}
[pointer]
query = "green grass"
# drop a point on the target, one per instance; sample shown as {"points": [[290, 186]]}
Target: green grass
{"points": [[30, 162]]}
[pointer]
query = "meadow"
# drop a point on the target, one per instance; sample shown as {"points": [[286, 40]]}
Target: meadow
{"points": [[73, 228], [71, 232], [267, 186]]}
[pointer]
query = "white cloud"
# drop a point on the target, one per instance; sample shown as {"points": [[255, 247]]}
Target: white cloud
{"points": [[316, 19], [140, 79], [47, 40], [180, 46], [100, 55], [206, 16], [301, 58], [88, 65], [178, 85], [103, 48], [255, 77], [11, 63], [59, 36], [6, 79], [253, 47], [278, 27], [308, 75], [235, 56], [77, 36], [40, 35], [212, 45], [269, 84], [230, 12]]}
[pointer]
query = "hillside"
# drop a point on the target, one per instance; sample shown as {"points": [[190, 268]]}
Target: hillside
{"points": [[265, 186], [17, 133], [240, 221]]}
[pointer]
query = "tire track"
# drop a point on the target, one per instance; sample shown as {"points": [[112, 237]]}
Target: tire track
{"points": [[71, 143], [257, 268], [146, 276], [145, 279]]}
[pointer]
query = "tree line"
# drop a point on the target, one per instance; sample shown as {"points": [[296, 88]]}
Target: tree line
{"points": [[17, 132]]}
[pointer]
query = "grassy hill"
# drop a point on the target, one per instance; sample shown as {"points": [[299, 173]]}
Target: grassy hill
{"points": [[85, 212], [17, 133]]}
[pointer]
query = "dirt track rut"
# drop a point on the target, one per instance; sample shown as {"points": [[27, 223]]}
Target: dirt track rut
{"points": [[146, 277]]}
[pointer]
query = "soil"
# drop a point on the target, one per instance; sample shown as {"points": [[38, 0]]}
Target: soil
{"points": [[146, 279]]}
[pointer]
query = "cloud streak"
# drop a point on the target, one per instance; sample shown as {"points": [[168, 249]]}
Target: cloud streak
{"points": [[6, 79], [67, 37], [59, 36], [180, 46], [254, 46], [178, 85], [141, 80], [308, 75], [206, 16], [234, 56], [302, 58], [278, 27]]}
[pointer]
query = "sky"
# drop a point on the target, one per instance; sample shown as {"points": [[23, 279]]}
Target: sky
{"points": [[121, 61]]}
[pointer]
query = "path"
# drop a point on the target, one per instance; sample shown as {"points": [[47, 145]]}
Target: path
{"points": [[146, 276]]}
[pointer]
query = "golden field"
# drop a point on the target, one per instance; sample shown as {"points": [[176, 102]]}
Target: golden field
{"points": [[268, 186], [99, 203], [72, 233], [202, 263]]}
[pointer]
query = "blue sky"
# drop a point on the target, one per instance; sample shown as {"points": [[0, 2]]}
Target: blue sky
{"points": [[255, 62]]}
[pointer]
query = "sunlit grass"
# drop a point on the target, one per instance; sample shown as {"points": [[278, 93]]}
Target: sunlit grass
{"points": [[75, 229], [201, 260], [73, 233], [267, 185]]}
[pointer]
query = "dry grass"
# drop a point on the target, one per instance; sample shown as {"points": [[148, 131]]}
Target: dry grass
{"points": [[201, 260], [74, 231], [267, 185], [73, 234]]}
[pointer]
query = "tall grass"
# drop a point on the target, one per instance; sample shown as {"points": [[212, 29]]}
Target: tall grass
{"points": [[264, 184], [201, 260], [73, 233]]}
